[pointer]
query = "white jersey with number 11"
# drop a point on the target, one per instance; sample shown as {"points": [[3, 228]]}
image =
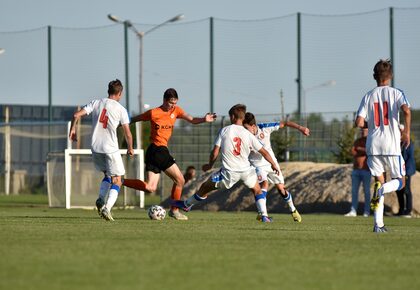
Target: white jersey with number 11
{"points": [[380, 108]]}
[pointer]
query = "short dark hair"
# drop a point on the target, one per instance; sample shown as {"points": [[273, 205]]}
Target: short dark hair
{"points": [[170, 94], [238, 111], [382, 70], [115, 87], [249, 119]]}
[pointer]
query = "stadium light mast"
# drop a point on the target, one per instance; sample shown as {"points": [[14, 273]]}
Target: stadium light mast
{"points": [[328, 83], [140, 35]]}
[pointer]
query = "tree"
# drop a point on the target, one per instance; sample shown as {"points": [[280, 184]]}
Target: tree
{"points": [[345, 142]]}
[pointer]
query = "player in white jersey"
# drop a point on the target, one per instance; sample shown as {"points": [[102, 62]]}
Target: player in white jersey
{"points": [[234, 143], [379, 110], [107, 115], [265, 175]]}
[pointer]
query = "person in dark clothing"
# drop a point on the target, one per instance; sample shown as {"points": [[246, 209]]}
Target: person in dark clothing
{"points": [[405, 196]]}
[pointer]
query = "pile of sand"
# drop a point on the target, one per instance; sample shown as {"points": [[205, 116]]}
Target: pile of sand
{"points": [[316, 187]]}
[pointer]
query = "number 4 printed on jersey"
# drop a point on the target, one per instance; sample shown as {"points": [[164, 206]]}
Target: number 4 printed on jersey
{"points": [[377, 115], [104, 119]]}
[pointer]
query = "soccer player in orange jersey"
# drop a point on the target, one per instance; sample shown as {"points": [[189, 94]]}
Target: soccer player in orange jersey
{"points": [[158, 158]]}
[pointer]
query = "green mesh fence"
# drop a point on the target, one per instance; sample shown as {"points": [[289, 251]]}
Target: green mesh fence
{"points": [[252, 62]]}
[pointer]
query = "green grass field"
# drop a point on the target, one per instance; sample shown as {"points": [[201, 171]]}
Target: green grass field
{"points": [[43, 248]]}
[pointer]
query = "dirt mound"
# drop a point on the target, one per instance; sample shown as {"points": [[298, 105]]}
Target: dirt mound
{"points": [[316, 187]]}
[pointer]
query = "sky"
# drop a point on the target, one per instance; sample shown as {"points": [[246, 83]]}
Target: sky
{"points": [[24, 15], [81, 13]]}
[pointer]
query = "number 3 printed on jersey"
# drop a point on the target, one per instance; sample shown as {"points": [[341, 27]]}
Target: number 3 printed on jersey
{"points": [[377, 114], [237, 146], [104, 119]]}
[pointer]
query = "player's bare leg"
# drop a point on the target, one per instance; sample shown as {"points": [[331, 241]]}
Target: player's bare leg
{"points": [[147, 186]]}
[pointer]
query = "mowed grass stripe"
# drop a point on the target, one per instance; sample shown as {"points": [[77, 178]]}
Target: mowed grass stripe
{"points": [[46, 248]]}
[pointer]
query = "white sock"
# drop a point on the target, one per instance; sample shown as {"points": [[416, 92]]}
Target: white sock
{"points": [[261, 204], [289, 200], [104, 188], [378, 215], [391, 186], [112, 196]]}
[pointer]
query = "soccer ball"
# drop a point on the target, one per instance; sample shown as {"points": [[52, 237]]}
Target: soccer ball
{"points": [[156, 212]]}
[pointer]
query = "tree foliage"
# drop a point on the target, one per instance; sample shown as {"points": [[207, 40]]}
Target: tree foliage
{"points": [[345, 142]]}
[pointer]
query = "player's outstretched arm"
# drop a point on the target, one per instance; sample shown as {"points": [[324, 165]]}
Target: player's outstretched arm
{"points": [[304, 130], [76, 117], [213, 157], [267, 157], [142, 117], [128, 139], [208, 118]]}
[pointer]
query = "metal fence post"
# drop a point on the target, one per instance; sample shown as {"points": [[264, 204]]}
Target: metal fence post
{"points": [[391, 40], [299, 78], [49, 88], [211, 75], [127, 74]]}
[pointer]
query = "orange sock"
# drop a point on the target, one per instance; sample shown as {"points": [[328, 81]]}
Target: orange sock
{"points": [[135, 183], [176, 193]]}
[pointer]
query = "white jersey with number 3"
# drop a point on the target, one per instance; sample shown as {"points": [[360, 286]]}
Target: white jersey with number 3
{"points": [[107, 114], [380, 108], [236, 143]]}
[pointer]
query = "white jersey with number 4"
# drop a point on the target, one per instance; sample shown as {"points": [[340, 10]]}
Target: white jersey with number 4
{"points": [[107, 114], [263, 135], [380, 108], [236, 143]]}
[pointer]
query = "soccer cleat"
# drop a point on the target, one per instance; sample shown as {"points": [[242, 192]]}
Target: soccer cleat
{"points": [[106, 215], [374, 202], [177, 215], [351, 213], [366, 214], [296, 216], [377, 229], [181, 205], [99, 205], [264, 218]]}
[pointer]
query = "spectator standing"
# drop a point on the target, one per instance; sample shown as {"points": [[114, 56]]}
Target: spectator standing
{"points": [[360, 175]]}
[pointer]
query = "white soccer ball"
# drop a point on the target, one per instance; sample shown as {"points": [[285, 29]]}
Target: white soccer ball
{"points": [[156, 212]]}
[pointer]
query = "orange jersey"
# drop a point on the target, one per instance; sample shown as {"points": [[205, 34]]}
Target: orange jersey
{"points": [[162, 124]]}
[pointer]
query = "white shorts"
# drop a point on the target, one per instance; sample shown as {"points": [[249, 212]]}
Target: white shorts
{"points": [[111, 164], [226, 179], [266, 173], [379, 163]]}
